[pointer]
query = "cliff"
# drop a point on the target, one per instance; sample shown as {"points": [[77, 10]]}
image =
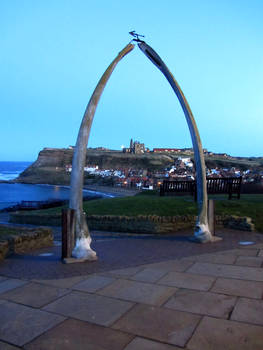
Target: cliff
{"points": [[50, 166]]}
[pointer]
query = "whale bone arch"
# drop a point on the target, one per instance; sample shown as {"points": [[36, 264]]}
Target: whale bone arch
{"points": [[82, 249]]}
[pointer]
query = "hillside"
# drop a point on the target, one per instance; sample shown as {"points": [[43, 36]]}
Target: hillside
{"points": [[50, 166], [242, 163]]}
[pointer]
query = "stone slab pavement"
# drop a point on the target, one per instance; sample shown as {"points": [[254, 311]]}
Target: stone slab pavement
{"points": [[209, 298]]}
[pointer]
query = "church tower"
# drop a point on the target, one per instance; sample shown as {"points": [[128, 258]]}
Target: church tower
{"points": [[131, 146]]}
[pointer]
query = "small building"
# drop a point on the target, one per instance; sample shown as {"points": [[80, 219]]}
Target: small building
{"points": [[167, 150]]}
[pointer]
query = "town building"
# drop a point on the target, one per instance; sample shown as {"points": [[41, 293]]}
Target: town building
{"points": [[169, 150]]}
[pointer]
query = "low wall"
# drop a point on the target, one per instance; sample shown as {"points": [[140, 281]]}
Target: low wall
{"points": [[161, 224], [235, 222], [42, 220], [138, 224], [28, 240]]}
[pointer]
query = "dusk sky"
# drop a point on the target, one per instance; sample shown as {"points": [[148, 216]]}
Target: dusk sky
{"points": [[53, 53]]}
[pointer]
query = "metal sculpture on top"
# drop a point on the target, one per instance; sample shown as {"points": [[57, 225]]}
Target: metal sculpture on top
{"points": [[136, 36]]}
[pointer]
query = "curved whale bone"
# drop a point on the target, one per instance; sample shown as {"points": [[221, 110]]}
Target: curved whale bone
{"points": [[83, 239], [202, 233]]}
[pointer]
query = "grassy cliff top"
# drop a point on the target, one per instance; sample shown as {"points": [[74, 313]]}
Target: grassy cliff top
{"points": [[153, 204]]}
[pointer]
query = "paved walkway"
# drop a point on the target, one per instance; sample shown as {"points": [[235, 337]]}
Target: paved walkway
{"points": [[199, 301]]}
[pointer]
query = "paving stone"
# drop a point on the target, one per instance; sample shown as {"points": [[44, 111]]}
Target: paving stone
{"points": [[215, 258], [203, 303], [128, 272], [93, 283], [187, 280], [253, 261], [10, 284], [146, 344], [215, 334], [171, 265], [75, 334], [250, 289], [228, 271], [138, 292], [61, 282], [164, 325], [34, 294], [149, 275], [22, 323], [253, 246], [248, 310], [241, 251], [5, 346], [89, 307]]}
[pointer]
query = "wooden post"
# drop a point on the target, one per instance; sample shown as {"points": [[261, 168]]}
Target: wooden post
{"points": [[68, 234], [211, 216], [161, 190]]}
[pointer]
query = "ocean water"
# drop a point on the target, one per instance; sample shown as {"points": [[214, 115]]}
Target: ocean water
{"points": [[11, 170], [13, 193]]}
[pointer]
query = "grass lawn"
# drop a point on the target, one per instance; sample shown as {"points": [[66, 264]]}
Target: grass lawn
{"points": [[249, 205], [142, 205], [147, 204], [131, 206]]}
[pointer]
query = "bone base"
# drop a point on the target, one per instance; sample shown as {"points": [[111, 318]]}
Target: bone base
{"points": [[74, 260], [212, 240], [202, 234], [82, 249]]}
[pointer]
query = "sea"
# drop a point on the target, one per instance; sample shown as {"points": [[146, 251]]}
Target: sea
{"points": [[13, 193], [11, 170]]}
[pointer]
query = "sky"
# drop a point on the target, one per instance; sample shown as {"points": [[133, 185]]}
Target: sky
{"points": [[53, 53]]}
